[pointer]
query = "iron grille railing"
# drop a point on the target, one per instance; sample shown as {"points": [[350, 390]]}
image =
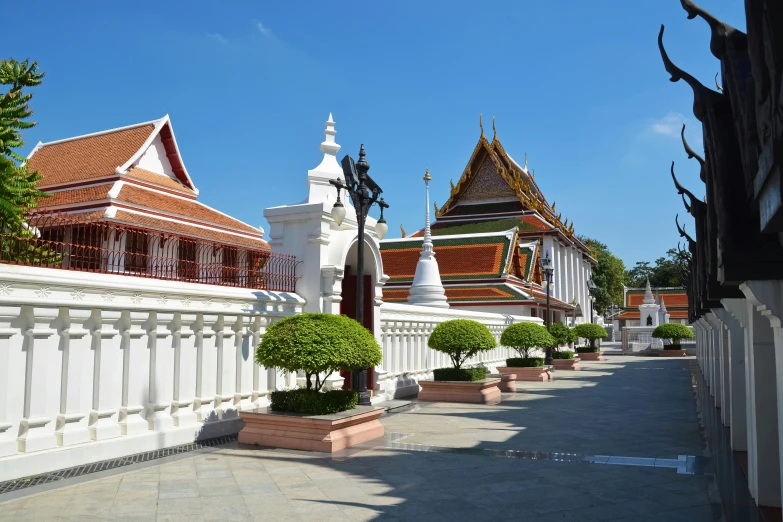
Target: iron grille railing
{"points": [[68, 242]]}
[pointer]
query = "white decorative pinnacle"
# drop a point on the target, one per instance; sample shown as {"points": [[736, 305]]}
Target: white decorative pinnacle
{"points": [[648, 297], [427, 288], [320, 191], [329, 147]]}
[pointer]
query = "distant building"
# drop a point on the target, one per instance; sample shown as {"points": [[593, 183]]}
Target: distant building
{"points": [[671, 301], [488, 239]]}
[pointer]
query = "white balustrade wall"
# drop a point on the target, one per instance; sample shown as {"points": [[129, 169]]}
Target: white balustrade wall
{"points": [[405, 330], [97, 366]]}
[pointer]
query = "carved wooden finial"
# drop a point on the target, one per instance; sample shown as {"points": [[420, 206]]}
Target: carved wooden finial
{"points": [[525, 161], [451, 183], [720, 89], [494, 132], [435, 206], [402, 230], [481, 123]]}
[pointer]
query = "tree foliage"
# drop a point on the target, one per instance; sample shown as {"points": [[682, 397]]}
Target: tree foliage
{"points": [[316, 344], [591, 332], [461, 339], [526, 336], [18, 194], [670, 270], [561, 334], [672, 331], [608, 275]]}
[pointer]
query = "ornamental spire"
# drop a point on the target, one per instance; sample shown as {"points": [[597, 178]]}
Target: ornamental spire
{"points": [[648, 296], [427, 288], [318, 178]]}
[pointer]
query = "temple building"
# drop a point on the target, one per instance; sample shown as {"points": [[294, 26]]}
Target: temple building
{"points": [[488, 240], [670, 306], [121, 201]]}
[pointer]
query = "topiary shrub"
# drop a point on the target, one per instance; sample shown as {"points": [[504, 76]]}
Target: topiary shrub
{"points": [[461, 339], [460, 374], [526, 336], [560, 333], [524, 362], [591, 332], [588, 349], [674, 332], [565, 354], [316, 344], [312, 402]]}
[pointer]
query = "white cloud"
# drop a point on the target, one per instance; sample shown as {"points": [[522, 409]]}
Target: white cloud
{"points": [[264, 30], [669, 125], [217, 37]]}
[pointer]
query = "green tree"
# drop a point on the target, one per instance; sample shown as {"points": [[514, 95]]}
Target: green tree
{"points": [[591, 332], [526, 336], [18, 194], [608, 275], [561, 334], [461, 339], [668, 271]]}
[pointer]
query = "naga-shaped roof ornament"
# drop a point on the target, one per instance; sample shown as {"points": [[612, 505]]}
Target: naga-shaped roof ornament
{"points": [[494, 132], [687, 206], [692, 154], [451, 183], [553, 205], [720, 30], [683, 233], [481, 123], [525, 161], [700, 92], [681, 189], [435, 206], [402, 231], [717, 85]]}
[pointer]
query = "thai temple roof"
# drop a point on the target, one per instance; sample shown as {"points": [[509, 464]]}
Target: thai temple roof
{"points": [[133, 175], [676, 300], [488, 231]]}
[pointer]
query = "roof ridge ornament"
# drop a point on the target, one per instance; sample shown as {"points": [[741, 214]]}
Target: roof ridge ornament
{"points": [[719, 30], [717, 85], [680, 188], [677, 74], [494, 132], [481, 123], [682, 231]]}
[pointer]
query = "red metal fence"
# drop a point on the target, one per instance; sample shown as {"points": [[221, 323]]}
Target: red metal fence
{"points": [[67, 242]]}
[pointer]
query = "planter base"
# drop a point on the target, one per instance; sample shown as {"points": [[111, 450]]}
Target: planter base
{"points": [[535, 373], [671, 353], [591, 356], [476, 392], [323, 433], [567, 364], [507, 382]]}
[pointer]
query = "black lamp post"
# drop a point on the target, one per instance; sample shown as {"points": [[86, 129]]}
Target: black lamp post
{"points": [[364, 194], [547, 269], [591, 290]]}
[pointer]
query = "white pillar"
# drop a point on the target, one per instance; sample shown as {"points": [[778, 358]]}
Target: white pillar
{"points": [[76, 381], [206, 365], [720, 370], [226, 372], [107, 375], [161, 390], [13, 387], [185, 353], [135, 373], [736, 341]]}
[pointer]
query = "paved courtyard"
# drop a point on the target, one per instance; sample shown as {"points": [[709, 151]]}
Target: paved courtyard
{"points": [[619, 440]]}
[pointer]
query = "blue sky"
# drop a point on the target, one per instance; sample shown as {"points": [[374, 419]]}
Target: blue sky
{"points": [[577, 85]]}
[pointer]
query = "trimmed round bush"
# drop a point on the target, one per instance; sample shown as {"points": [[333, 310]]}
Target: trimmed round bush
{"points": [[564, 354], [674, 332], [318, 344], [526, 336], [560, 333], [591, 332], [460, 374], [461, 339], [524, 362], [588, 349]]}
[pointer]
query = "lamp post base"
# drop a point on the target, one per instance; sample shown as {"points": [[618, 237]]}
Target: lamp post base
{"points": [[359, 382]]}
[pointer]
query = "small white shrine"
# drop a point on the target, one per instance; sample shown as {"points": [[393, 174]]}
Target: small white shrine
{"points": [[649, 310]]}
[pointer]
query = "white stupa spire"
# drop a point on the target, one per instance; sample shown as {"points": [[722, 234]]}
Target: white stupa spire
{"points": [[318, 178], [648, 296], [427, 288]]}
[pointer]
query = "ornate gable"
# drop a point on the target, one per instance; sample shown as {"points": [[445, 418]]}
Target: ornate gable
{"points": [[487, 184]]}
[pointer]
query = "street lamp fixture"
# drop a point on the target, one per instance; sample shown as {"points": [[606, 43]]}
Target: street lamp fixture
{"points": [[547, 270], [364, 193], [591, 290]]}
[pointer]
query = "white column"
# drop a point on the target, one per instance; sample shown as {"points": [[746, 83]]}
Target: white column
{"points": [[185, 355], [226, 371], [136, 373], [161, 390], [42, 381], [717, 345], [12, 387], [76, 382], [260, 374], [243, 382], [764, 479], [107, 375], [736, 342]]}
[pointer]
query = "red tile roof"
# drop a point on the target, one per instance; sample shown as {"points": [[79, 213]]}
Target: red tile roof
{"points": [[77, 195], [456, 294], [89, 157], [673, 299], [630, 314], [159, 179]]}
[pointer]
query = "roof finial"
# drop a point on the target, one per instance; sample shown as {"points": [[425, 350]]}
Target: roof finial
{"points": [[525, 162], [402, 231], [427, 176], [481, 122], [716, 82], [494, 132]]}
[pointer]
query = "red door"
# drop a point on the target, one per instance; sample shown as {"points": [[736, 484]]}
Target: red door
{"points": [[348, 307]]}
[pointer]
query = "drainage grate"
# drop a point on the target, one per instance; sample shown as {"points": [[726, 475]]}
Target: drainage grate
{"points": [[26, 482]]}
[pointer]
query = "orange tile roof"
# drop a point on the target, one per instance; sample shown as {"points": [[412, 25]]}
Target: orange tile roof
{"points": [[673, 300], [484, 293], [88, 157], [182, 207], [158, 179], [458, 258], [77, 195], [630, 314], [189, 230]]}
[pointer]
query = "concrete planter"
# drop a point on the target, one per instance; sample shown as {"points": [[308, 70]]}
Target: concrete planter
{"points": [[323, 433], [671, 353], [567, 364], [507, 382], [535, 373], [474, 392], [591, 356]]}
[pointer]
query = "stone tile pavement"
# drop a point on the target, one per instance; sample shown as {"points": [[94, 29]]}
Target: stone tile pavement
{"points": [[626, 406]]}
